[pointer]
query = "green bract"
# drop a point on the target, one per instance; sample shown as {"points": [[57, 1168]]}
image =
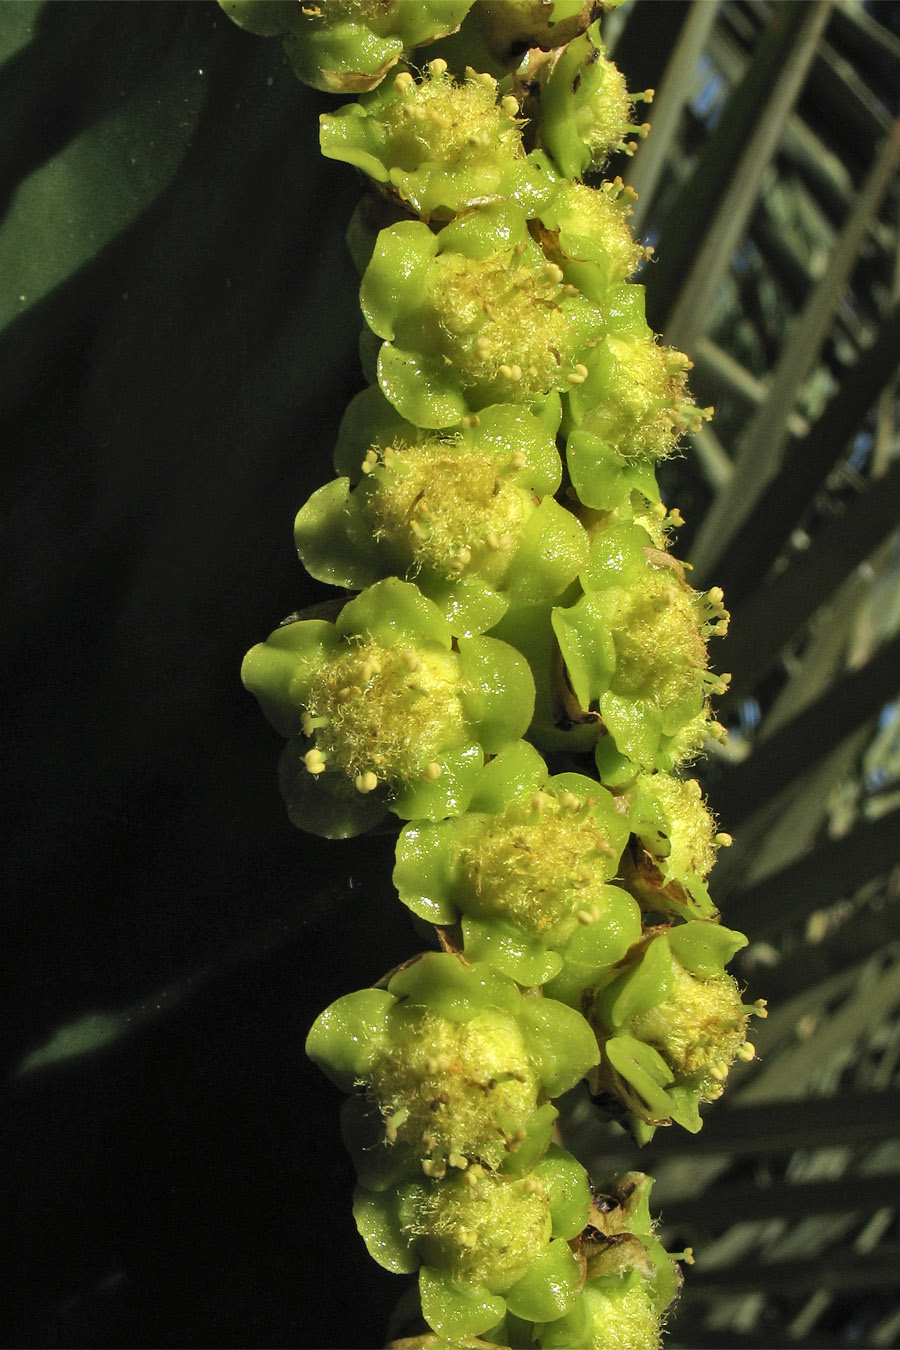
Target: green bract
{"points": [[347, 46], [440, 145], [635, 646], [473, 315], [674, 846], [485, 1243], [381, 713], [587, 112], [469, 515], [671, 1023], [457, 1068], [527, 867]]}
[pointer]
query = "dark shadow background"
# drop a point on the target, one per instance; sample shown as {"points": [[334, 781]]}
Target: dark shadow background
{"points": [[165, 411]]}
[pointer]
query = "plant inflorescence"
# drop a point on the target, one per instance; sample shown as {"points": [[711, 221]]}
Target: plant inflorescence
{"points": [[520, 680]]}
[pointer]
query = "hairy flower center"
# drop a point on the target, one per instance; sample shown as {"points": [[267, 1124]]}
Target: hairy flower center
{"points": [[540, 864], [384, 714], [488, 1229], [455, 1092], [445, 510], [504, 322]]}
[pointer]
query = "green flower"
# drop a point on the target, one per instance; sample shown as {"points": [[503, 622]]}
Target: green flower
{"points": [[456, 1067], [469, 514], [629, 410], [382, 713], [527, 867], [631, 1279], [439, 144], [347, 46], [673, 848], [671, 1024], [589, 236], [472, 316], [586, 110], [634, 645], [485, 1243]]}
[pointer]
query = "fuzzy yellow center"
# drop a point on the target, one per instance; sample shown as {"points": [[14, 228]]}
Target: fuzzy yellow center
{"points": [[454, 1093], [444, 509], [484, 1228], [384, 714], [502, 323], [542, 863], [448, 123]]}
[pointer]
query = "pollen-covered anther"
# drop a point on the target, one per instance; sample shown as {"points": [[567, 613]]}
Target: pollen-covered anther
{"points": [[747, 1052], [412, 660], [569, 800], [437, 67], [517, 461], [510, 105], [492, 542], [370, 461], [403, 82], [458, 1160], [314, 761], [578, 375], [434, 1169], [432, 772], [366, 782], [760, 1008], [723, 840]]}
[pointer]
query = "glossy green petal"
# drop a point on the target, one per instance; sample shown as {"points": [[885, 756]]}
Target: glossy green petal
{"points": [[381, 1223], [454, 1309], [426, 872], [603, 478], [645, 1072], [503, 944], [347, 1036], [705, 948], [456, 991], [566, 1184], [550, 1287], [448, 795], [369, 421], [641, 987], [561, 1043], [499, 691], [553, 549], [516, 771], [416, 383], [396, 278], [278, 671], [327, 805], [394, 612], [326, 547], [595, 948]]}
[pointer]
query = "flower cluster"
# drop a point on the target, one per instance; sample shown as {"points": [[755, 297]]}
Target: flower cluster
{"points": [[519, 680]]}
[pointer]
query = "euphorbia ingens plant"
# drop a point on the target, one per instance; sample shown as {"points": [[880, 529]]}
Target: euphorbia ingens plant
{"points": [[498, 525]]}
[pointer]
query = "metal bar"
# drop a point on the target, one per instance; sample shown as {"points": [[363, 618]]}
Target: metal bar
{"points": [[764, 440]]}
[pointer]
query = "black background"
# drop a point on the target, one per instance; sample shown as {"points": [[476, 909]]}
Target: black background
{"points": [[165, 411]]}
